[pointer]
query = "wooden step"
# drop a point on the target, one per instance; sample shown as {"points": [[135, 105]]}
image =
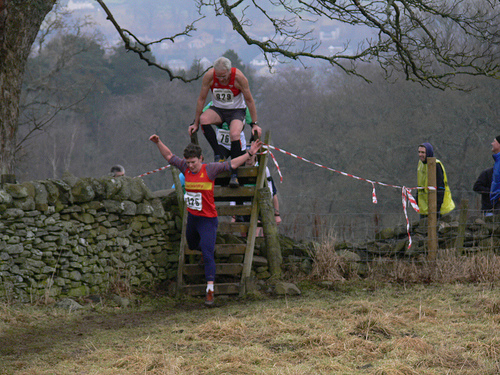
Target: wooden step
{"points": [[221, 249], [233, 227], [239, 195], [239, 209], [220, 269], [246, 176], [242, 172], [227, 192], [200, 289]]}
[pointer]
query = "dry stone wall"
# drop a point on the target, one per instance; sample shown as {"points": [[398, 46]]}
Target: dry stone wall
{"points": [[74, 237]]}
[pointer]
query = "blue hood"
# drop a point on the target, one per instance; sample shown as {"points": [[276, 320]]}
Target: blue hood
{"points": [[429, 150]]}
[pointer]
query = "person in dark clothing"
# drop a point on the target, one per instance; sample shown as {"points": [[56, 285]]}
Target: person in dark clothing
{"points": [[483, 187]]}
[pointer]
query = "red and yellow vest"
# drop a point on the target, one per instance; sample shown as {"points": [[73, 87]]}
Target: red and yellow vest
{"points": [[200, 193]]}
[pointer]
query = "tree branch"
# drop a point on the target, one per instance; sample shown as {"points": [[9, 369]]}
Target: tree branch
{"points": [[134, 44], [431, 42]]}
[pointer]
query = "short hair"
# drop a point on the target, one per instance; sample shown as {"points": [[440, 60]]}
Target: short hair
{"points": [[222, 63], [117, 168], [192, 151]]}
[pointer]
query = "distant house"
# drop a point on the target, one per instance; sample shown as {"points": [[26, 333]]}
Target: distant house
{"points": [[259, 61], [261, 66], [177, 64], [196, 44], [329, 35], [79, 5]]}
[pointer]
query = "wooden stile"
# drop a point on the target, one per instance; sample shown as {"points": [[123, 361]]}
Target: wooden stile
{"points": [[231, 276]]}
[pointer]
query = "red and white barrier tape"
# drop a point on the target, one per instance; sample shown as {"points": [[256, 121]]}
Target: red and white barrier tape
{"points": [[406, 192], [154, 171]]}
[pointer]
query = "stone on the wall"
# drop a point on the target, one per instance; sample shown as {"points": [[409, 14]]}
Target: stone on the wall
{"points": [[112, 185], [70, 179], [385, 234], [82, 191], [16, 191], [145, 209], [25, 204], [79, 291], [129, 208], [64, 191], [52, 191], [83, 217], [13, 213], [14, 249], [98, 187], [113, 206], [5, 197]]}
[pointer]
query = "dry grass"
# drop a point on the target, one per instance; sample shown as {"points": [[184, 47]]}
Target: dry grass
{"points": [[405, 318], [329, 265], [357, 329]]}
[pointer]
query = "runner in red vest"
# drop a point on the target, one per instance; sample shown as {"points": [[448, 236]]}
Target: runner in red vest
{"points": [[230, 96], [202, 219]]}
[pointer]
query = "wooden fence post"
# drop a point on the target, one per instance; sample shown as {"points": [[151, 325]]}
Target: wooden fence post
{"points": [[270, 232], [432, 242], [462, 221]]}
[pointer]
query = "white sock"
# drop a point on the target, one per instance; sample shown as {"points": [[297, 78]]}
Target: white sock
{"points": [[210, 287]]}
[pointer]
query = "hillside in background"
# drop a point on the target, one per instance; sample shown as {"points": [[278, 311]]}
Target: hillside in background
{"points": [[100, 105]]}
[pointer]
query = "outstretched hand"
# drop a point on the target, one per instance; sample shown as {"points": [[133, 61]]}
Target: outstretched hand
{"points": [[255, 147], [154, 138]]}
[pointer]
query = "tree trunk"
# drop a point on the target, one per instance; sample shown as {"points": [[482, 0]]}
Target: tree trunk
{"points": [[20, 22]]}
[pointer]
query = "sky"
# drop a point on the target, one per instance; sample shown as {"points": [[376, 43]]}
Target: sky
{"points": [[152, 19]]}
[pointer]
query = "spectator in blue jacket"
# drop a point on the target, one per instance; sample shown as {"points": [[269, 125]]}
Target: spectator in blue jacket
{"points": [[495, 181]]}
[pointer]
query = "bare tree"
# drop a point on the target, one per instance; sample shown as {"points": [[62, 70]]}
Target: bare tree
{"points": [[432, 42], [60, 40], [19, 24]]}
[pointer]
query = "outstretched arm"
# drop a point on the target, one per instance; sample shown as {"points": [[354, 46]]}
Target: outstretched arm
{"points": [[241, 82], [164, 150], [240, 160]]}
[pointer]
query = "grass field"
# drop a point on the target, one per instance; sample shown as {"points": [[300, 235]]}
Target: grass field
{"points": [[355, 327]]}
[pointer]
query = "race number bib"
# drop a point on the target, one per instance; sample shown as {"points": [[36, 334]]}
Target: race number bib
{"points": [[223, 95], [193, 200], [223, 138]]}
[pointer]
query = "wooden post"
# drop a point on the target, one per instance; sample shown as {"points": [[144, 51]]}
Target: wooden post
{"points": [[194, 138], [7, 179], [462, 221], [261, 179], [270, 232], [182, 259], [179, 191], [432, 208]]}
